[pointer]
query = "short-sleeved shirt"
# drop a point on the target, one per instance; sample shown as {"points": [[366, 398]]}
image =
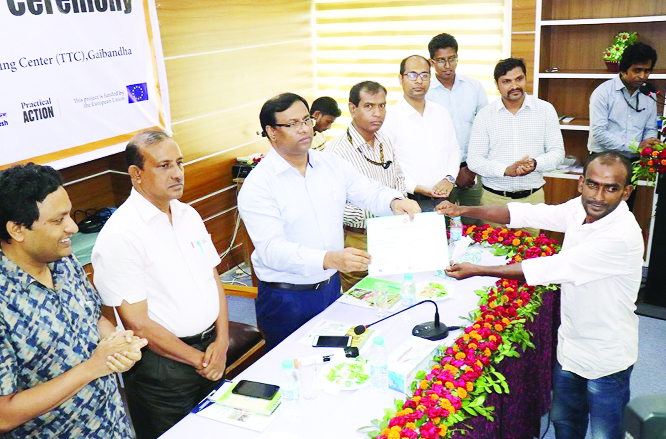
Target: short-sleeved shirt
{"points": [[141, 255], [45, 332]]}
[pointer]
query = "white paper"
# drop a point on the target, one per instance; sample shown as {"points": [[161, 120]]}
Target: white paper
{"points": [[398, 245]]}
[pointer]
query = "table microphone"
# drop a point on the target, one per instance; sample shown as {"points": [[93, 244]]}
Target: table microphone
{"points": [[649, 90], [430, 330]]}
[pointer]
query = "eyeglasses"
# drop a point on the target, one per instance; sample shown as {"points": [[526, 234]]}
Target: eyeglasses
{"points": [[425, 76], [309, 122], [444, 61]]}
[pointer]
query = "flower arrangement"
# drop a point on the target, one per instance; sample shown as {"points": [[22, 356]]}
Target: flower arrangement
{"points": [[613, 54], [455, 388], [620, 42], [651, 161]]}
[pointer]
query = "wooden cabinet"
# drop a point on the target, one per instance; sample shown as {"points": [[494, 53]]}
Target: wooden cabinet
{"points": [[570, 37]]}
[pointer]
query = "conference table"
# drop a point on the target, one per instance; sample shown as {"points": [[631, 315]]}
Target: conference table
{"points": [[517, 415]]}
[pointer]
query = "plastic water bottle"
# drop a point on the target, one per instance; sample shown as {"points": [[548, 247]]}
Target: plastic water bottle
{"points": [[407, 290], [378, 358], [289, 388], [456, 229]]}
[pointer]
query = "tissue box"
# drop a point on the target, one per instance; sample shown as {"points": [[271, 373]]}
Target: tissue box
{"points": [[410, 357]]}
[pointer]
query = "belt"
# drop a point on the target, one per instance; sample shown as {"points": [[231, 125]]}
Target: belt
{"points": [[358, 230], [512, 195], [194, 339], [297, 287]]}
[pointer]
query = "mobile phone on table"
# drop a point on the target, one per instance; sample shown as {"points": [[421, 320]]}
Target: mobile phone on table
{"points": [[331, 341], [255, 389]]}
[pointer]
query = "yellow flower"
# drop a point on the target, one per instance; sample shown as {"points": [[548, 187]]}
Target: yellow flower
{"points": [[410, 425], [462, 393], [385, 432], [394, 435], [469, 385], [442, 430], [424, 384], [449, 385], [434, 396], [396, 428]]}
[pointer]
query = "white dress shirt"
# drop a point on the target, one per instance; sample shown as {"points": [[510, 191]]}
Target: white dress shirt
{"points": [[426, 146], [613, 125], [139, 255], [463, 100], [294, 221], [500, 138], [599, 269], [351, 146]]}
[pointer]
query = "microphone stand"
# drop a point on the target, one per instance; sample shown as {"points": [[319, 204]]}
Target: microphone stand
{"points": [[434, 330]]}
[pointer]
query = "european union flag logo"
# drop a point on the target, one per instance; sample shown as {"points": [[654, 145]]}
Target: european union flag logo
{"points": [[137, 93]]}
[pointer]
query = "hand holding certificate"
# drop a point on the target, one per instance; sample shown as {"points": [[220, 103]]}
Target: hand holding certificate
{"points": [[398, 245]]}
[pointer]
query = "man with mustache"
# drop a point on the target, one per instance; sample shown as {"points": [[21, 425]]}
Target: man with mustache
{"points": [[292, 205], [514, 141], [371, 152], [57, 351], [155, 262], [423, 136], [599, 269]]}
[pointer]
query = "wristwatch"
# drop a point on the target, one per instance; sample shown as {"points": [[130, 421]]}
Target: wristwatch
{"points": [[451, 179]]}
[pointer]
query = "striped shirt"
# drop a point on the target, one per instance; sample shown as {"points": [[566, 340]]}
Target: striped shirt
{"points": [[500, 138], [352, 147]]}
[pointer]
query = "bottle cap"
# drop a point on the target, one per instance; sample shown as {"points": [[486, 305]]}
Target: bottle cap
{"points": [[287, 364], [378, 341], [408, 276]]}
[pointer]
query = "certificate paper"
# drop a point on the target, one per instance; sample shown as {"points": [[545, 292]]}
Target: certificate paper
{"points": [[398, 245]]}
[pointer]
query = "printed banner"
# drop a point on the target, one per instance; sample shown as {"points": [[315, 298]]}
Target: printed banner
{"points": [[75, 76]]}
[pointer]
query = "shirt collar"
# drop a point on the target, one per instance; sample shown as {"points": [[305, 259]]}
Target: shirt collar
{"points": [[621, 209], [434, 82], [527, 103], [148, 210], [357, 141], [410, 111], [280, 165], [20, 278], [618, 85]]}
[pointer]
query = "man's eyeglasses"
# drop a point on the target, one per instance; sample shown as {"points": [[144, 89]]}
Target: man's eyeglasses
{"points": [[425, 76], [310, 122], [444, 61]]}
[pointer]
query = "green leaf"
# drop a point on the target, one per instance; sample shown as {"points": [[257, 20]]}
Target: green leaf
{"points": [[470, 410], [420, 374], [497, 388]]}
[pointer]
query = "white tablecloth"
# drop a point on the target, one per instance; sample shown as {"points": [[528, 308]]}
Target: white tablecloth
{"points": [[340, 416]]}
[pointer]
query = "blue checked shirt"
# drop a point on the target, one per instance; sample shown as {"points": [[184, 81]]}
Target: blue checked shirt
{"points": [[44, 333]]}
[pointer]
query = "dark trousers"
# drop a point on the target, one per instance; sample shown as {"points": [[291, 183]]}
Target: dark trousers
{"points": [[160, 392], [281, 312]]}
